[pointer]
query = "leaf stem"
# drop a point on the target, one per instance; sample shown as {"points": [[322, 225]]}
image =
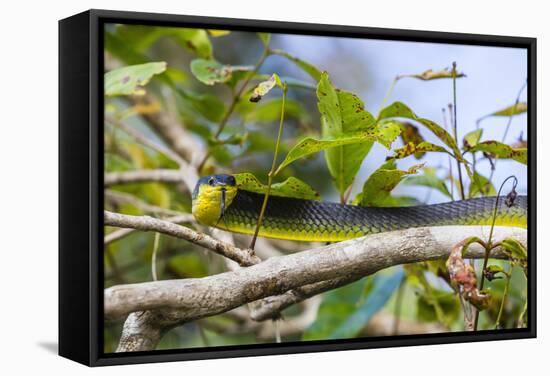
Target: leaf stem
{"points": [[389, 92], [489, 245], [154, 256], [234, 101], [455, 133], [272, 171], [504, 296]]}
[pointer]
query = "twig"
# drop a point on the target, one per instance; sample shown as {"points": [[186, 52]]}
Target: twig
{"points": [[234, 102], [146, 141], [122, 233], [455, 133], [127, 198], [271, 172], [142, 176], [144, 223], [154, 256]]}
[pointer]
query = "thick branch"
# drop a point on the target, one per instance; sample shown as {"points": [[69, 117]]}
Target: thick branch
{"points": [[144, 223], [197, 298]]}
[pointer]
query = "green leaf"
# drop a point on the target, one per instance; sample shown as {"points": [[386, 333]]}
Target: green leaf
{"points": [[310, 69], [515, 248], [512, 110], [500, 150], [480, 185], [336, 306], [432, 300], [387, 132], [343, 113], [265, 87], [377, 188], [428, 179], [129, 80], [291, 187], [188, 265], [411, 148], [310, 145], [383, 287], [265, 38], [211, 72], [209, 106], [194, 40], [400, 110], [472, 138], [270, 110], [433, 75]]}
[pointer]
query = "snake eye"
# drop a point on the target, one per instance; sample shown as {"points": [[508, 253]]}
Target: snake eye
{"points": [[211, 181]]}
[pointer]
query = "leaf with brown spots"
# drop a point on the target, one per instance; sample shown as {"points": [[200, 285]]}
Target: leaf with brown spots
{"points": [[130, 80], [291, 187], [211, 72], [377, 188], [400, 110], [500, 150], [429, 75], [343, 113], [411, 148], [265, 87]]}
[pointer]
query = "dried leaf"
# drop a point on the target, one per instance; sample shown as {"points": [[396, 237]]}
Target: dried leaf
{"points": [[434, 75]]}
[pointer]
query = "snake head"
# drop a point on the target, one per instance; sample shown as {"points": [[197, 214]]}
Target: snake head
{"points": [[211, 196]]}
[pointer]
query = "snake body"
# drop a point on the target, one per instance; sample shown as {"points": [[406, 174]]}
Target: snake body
{"points": [[310, 220]]}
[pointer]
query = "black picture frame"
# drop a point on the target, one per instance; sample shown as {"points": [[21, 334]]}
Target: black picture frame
{"points": [[81, 185]]}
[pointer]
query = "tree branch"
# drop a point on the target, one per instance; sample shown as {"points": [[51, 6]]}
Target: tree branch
{"points": [[198, 298], [141, 176], [144, 223]]}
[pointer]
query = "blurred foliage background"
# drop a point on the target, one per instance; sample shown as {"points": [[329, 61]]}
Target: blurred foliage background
{"points": [[195, 75]]}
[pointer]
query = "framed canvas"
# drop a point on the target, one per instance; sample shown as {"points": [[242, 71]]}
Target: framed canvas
{"points": [[239, 187]]}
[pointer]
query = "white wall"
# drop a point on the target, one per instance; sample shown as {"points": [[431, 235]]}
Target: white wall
{"points": [[28, 150]]}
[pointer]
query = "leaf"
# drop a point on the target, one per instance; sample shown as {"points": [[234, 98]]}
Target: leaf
{"points": [[343, 113], [387, 132], [195, 40], [291, 187], [481, 185], [410, 133], [462, 275], [515, 248], [472, 138], [337, 304], [377, 188], [129, 80], [188, 265], [512, 110], [400, 110], [265, 38], [310, 145], [383, 287], [444, 300], [434, 75], [209, 106], [211, 72], [429, 179], [265, 87], [270, 110], [411, 148], [500, 150], [310, 69], [218, 33]]}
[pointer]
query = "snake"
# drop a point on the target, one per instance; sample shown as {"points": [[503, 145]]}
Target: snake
{"points": [[218, 201]]}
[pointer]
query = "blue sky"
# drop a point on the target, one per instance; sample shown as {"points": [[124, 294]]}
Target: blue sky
{"points": [[367, 68]]}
